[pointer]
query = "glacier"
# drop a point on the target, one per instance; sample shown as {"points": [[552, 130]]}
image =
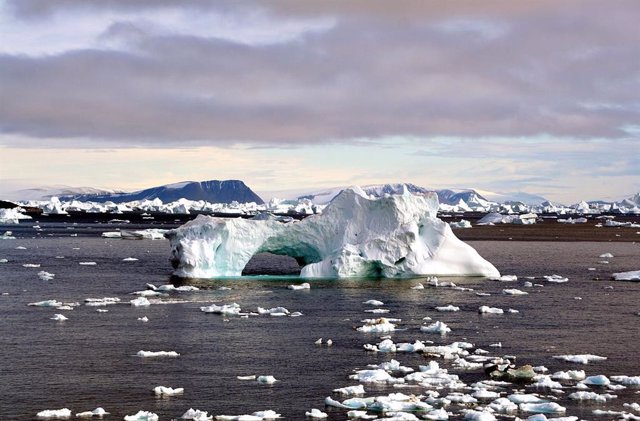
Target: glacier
{"points": [[355, 236]]}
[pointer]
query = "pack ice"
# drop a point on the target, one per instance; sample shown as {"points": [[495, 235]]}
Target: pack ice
{"points": [[355, 236]]}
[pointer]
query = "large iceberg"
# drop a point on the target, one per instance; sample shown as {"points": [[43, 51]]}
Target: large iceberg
{"points": [[355, 236]]}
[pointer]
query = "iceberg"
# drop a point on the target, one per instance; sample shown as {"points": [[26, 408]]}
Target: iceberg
{"points": [[355, 236]]}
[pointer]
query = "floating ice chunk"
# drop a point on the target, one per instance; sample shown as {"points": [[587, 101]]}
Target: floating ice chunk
{"points": [[21, 248], [606, 256], [506, 278], [580, 359], [377, 311], [167, 391], [59, 318], [318, 342], [144, 319], [543, 408], [591, 396], [627, 380], [329, 342], [31, 265], [484, 394], [98, 412], [372, 376], [569, 375], [316, 413], [305, 285], [514, 291], [437, 327], [102, 310], [599, 380], [544, 381], [276, 311], [99, 302], [46, 276], [503, 406], [381, 325], [350, 390], [196, 415], [54, 413], [633, 275], [87, 263], [633, 406], [556, 279], [374, 303], [266, 379], [450, 307], [140, 302], [154, 354], [360, 415], [148, 293], [462, 224], [251, 377], [142, 416], [436, 415], [418, 286], [256, 416], [226, 309], [129, 259], [46, 303], [490, 310], [473, 415], [4, 261], [519, 398]]}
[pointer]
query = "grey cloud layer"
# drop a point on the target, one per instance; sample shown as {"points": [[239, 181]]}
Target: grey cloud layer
{"points": [[420, 69]]}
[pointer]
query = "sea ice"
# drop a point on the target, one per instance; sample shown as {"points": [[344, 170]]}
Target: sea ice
{"points": [[437, 327], [46, 276], [450, 307], [46, 303], [305, 285], [196, 415], [276, 311], [374, 303], [256, 416], [129, 259], [350, 390], [606, 256], [581, 358], [140, 302], [142, 416], [381, 325], [599, 380], [633, 275], [99, 302], [225, 309], [31, 265], [153, 354], [54, 413], [355, 235], [143, 319], [59, 318], [490, 310], [266, 379], [627, 380], [87, 263], [591, 396], [556, 279], [514, 291], [98, 412], [543, 408], [316, 413], [167, 391]]}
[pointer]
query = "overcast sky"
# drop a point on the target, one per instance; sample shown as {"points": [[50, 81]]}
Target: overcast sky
{"points": [[536, 96]]}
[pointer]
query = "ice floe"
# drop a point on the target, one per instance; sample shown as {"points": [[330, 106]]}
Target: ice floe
{"points": [[196, 415], [633, 275], [266, 379], [580, 358], [514, 291], [490, 310], [142, 416], [225, 309], [167, 391], [100, 302], [543, 408], [155, 354], [54, 413], [129, 259], [140, 302], [381, 325], [446, 308], [98, 412], [46, 276], [556, 279], [59, 318], [255, 416], [302, 286], [316, 413], [436, 327]]}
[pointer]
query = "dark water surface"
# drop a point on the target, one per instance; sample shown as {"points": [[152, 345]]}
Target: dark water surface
{"points": [[89, 360]]}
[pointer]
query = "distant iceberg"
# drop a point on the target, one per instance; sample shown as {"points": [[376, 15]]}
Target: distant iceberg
{"points": [[355, 236]]}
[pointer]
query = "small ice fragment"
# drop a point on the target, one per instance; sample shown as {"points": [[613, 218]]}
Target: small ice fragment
{"points": [[46, 303], [129, 259], [496, 345], [152, 354], [305, 285], [606, 256], [490, 310], [21, 248], [252, 377], [140, 302], [627, 380], [448, 308], [59, 318], [226, 309], [87, 263], [633, 275], [377, 311], [316, 413], [46, 276], [381, 325], [266, 379], [514, 291], [318, 342], [31, 265], [142, 416], [329, 342], [102, 310], [599, 380], [167, 391], [54, 413], [580, 359], [98, 412], [196, 415], [436, 327], [543, 408], [144, 319], [374, 303], [418, 286], [350, 390], [4, 261], [506, 278], [556, 279]]}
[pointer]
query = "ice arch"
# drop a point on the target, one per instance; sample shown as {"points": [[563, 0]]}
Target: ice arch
{"points": [[397, 235]]}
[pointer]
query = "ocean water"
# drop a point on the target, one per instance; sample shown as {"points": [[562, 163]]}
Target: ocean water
{"points": [[90, 359]]}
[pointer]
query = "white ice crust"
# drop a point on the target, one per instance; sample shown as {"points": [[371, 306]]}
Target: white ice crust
{"points": [[355, 236]]}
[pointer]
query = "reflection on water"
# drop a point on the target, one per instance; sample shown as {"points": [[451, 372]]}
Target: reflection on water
{"points": [[89, 360]]}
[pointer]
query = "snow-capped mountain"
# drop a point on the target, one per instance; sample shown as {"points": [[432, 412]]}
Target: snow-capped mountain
{"points": [[47, 192], [212, 191]]}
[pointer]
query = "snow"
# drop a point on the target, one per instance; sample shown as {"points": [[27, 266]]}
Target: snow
{"points": [[633, 275], [355, 236]]}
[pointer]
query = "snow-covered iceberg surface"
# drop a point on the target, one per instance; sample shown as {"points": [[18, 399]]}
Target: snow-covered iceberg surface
{"points": [[395, 235]]}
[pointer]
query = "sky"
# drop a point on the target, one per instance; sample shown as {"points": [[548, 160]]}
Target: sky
{"points": [[536, 96]]}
